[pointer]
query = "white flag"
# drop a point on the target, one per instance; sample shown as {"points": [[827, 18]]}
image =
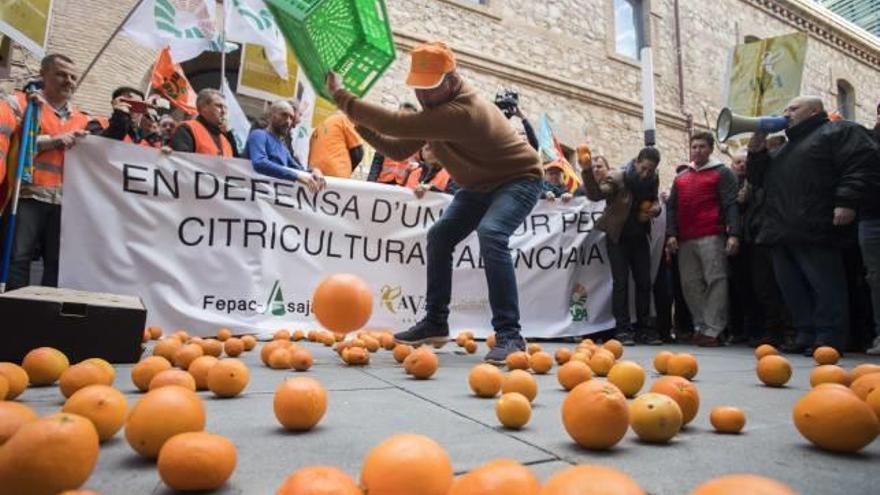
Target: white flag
{"points": [[187, 26], [302, 133], [238, 121], [249, 21]]}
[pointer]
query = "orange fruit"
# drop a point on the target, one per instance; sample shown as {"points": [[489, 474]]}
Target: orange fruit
{"points": [[591, 480], [270, 347], [513, 410], [533, 348], [521, 382], [182, 336], [166, 348], [358, 356], [517, 361], [187, 354], [280, 359], [159, 415], [615, 347], [401, 351], [49, 455], [300, 403], [12, 416], [312, 336], [212, 347], [301, 360], [601, 362], [103, 405], [540, 362], [485, 380], [628, 376], [764, 350], [406, 464], [342, 302], [319, 480], [281, 335], [4, 387], [683, 364], [105, 366], [683, 392], [144, 371], [490, 341], [864, 369], [774, 371], [224, 334], [498, 477], [655, 417], [743, 484], [155, 332], [562, 355], [835, 420], [233, 347], [372, 344], [17, 378], [572, 374], [461, 339], [595, 415], [173, 377], [298, 335], [387, 341], [470, 346], [661, 360], [423, 363], [873, 400], [826, 355], [228, 377], [199, 370], [249, 342], [865, 385], [195, 461], [828, 373], [81, 375], [44, 365], [726, 419]]}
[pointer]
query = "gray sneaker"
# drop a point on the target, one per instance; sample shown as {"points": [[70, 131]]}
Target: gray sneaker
{"points": [[875, 348], [503, 347]]}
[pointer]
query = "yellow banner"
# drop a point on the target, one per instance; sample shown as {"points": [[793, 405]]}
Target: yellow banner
{"points": [[257, 78], [323, 109], [767, 74], [27, 23]]}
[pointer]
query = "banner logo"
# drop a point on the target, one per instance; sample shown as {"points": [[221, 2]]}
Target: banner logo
{"points": [[184, 18], [578, 303]]}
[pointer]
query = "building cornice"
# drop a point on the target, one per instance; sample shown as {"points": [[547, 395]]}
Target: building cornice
{"points": [[824, 25], [525, 76]]}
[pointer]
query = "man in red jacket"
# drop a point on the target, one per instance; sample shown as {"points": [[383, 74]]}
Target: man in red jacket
{"points": [[702, 221]]}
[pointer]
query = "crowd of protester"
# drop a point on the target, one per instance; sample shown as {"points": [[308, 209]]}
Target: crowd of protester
{"points": [[781, 245]]}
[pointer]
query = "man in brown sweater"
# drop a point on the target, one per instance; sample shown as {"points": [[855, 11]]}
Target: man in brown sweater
{"points": [[499, 174]]}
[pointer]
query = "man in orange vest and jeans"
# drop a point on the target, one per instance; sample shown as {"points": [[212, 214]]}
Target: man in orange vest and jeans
{"points": [[205, 134], [39, 208]]}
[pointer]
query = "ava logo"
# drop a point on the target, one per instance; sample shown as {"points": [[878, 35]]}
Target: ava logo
{"points": [[396, 302], [275, 303], [578, 303], [185, 19], [390, 295]]}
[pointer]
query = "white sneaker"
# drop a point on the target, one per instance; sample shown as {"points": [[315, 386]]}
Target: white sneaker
{"points": [[875, 348]]}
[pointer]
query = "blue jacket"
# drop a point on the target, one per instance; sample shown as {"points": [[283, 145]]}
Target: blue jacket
{"points": [[270, 156]]}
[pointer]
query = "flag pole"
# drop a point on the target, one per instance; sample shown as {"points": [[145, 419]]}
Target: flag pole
{"points": [[223, 49], [107, 43]]}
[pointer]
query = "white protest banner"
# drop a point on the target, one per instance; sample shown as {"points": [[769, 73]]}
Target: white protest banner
{"points": [[207, 243]]}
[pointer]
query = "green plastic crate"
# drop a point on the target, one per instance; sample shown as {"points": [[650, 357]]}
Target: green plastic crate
{"points": [[351, 37]]}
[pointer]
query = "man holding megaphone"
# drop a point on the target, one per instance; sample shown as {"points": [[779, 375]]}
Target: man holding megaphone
{"points": [[814, 185]]}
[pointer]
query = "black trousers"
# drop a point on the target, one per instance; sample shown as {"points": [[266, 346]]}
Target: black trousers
{"points": [[631, 255], [38, 226]]}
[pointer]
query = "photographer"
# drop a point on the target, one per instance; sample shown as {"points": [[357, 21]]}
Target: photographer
{"points": [[508, 101]]}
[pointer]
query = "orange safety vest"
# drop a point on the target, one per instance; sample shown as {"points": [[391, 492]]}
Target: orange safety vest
{"points": [[205, 144], [440, 180], [104, 122], [49, 164], [394, 172], [8, 123]]}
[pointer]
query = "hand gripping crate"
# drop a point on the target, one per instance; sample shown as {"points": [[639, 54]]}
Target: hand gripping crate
{"points": [[351, 37]]}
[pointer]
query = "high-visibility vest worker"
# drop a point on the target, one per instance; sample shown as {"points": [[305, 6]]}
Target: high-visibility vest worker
{"points": [[394, 172], [204, 141], [49, 164], [439, 182], [8, 123]]}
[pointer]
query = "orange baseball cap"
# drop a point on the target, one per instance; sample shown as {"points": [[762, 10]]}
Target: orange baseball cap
{"points": [[430, 62]]}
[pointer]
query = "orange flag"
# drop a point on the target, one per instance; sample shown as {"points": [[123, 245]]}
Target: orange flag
{"points": [[169, 80]]}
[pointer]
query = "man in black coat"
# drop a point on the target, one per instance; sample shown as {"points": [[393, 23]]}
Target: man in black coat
{"points": [[813, 184]]}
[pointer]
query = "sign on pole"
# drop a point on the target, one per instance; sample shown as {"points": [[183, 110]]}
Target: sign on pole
{"points": [[767, 74], [27, 23], [257, 76]]}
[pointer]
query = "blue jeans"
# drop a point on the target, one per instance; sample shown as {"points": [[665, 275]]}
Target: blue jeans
{"points": [[869, 242], [495, 216], [813, 285]]}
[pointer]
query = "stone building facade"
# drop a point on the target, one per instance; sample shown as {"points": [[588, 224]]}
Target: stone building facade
{"points": [[560, 55]]}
